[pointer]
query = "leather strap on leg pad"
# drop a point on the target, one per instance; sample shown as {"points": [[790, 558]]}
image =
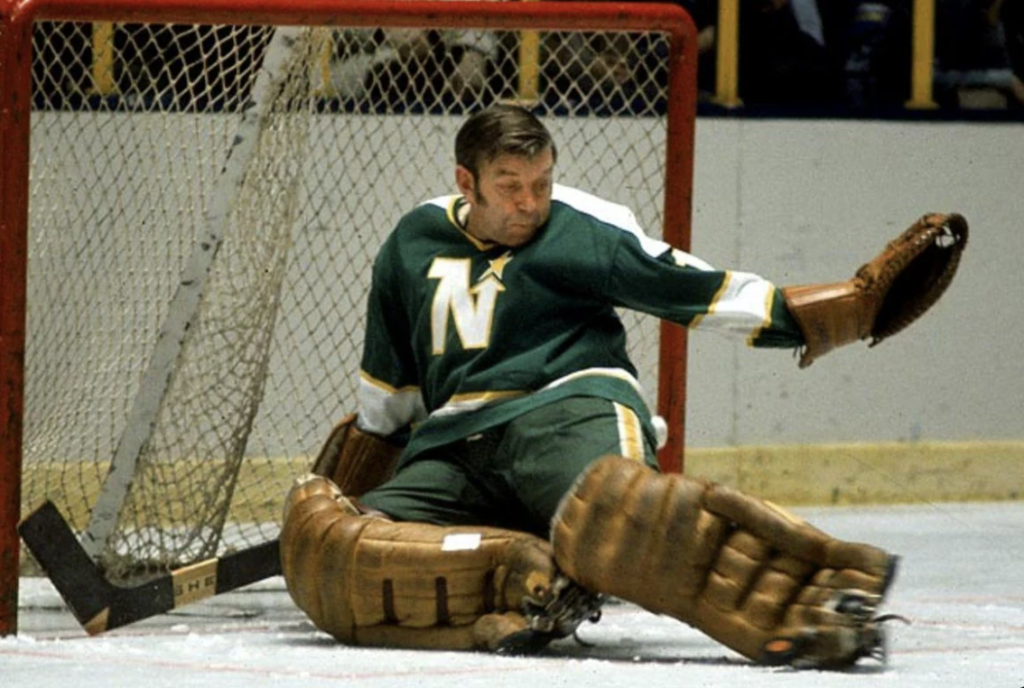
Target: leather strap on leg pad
{"points": [[738, 568], [371, 581]]}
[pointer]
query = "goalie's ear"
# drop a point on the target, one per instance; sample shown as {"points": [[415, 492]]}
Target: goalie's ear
{"points": [[466, 182]]}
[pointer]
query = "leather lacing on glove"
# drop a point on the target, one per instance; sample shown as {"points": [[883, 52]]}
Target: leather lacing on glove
{"points": [[928, 271]]}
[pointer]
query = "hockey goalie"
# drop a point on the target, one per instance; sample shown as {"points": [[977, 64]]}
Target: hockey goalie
{"points": [[500, 480]]}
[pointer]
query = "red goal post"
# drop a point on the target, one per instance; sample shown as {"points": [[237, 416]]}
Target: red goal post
{"points": [[17, 114]]}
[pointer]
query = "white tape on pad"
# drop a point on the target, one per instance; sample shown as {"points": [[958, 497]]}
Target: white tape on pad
{"points": [[457, 542]]}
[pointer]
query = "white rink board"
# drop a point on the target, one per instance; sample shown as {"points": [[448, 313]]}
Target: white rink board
{"points": [[794, 200]]}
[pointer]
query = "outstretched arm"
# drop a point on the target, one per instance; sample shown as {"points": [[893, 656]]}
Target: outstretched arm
{"points": [[652, 277], [885, 296]]}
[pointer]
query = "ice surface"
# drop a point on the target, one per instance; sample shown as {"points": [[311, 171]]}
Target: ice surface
{"points": [[960, 583]]}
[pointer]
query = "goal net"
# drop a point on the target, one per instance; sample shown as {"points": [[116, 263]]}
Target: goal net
{"points": [[204, 203]]}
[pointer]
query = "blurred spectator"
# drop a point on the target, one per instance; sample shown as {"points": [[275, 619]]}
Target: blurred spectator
{"points": [[606, 72], [1013, 22], [705, 17], [972, 61], [791, 53], [782, 52], [599, 73], [876, 53], [411, 67]]}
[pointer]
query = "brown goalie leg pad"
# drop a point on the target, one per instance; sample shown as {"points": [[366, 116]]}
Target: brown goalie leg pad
{"points": [[735, 567], [371, 581], [354, 460], [489, 632]]}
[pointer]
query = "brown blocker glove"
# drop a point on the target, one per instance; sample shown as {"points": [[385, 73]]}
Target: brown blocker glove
{"points": [[887, 294], [354, 460]]}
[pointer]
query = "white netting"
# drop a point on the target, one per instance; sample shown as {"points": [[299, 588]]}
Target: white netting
{"points": [[138, 134]]}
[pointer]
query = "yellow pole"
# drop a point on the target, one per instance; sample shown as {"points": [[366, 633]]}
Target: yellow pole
{"points": [[923, 56], [727, 53], [326, 86], [529, 66], [103, 82]]}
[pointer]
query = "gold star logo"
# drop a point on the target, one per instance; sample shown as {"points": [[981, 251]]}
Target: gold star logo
{"points": [[497, 266]]}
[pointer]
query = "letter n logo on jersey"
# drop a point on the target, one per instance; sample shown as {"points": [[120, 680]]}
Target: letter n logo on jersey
{"points": [[471, 307]]}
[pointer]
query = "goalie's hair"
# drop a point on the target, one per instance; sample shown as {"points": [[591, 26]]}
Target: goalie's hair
{"points": [[499, 130]]}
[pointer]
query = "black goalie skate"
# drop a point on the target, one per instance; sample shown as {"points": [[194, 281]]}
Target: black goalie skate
{"points": [[856, 633], [569, 606]]}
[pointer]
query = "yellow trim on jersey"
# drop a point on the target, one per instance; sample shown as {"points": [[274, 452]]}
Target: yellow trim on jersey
{"points": [[695, 323], [617, 373], [371, 380], [769, 297], [470, 401], [454, 219], [631, 443], [450, 211], [483, 396]]}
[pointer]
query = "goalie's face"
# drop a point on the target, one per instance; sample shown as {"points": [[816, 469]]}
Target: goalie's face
{"points": [[509, 199]]}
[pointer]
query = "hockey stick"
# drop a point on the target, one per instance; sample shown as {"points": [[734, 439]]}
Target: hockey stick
{"points": [[100, 605], [184, 308]]}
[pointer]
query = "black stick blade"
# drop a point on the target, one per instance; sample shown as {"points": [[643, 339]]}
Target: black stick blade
{"points": [[78, 580], [100, 606]]}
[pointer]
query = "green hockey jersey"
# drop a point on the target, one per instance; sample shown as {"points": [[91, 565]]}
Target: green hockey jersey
{"points": [[462, 335]]}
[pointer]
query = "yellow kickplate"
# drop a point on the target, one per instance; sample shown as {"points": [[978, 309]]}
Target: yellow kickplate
{"points": [[98, 623], [195, 582]]}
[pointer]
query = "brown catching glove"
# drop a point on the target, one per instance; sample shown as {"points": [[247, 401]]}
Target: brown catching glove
{"points": [[887, 294]]}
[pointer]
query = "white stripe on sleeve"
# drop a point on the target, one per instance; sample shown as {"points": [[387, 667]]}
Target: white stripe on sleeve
{"points": [[384, 409], [742, 306]]}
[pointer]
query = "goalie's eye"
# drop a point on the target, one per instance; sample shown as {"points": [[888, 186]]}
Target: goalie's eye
{"points": [[509, 188]]}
